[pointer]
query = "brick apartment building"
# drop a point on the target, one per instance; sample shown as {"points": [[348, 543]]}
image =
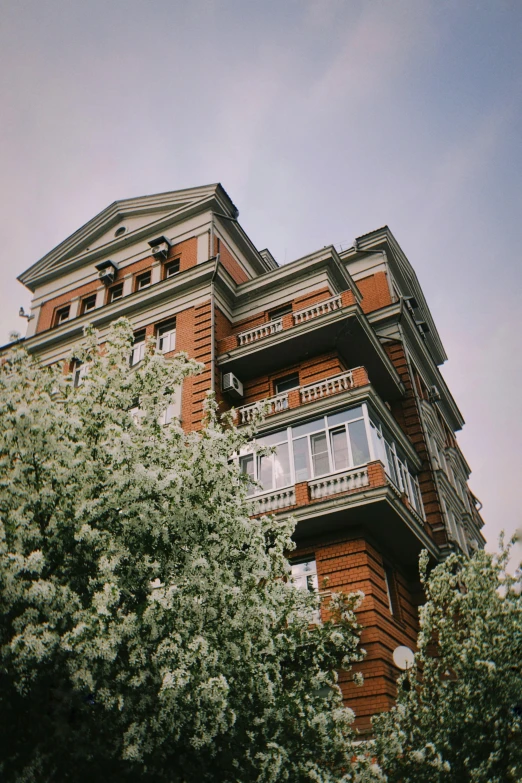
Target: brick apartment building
{"points": [[343, 347]]}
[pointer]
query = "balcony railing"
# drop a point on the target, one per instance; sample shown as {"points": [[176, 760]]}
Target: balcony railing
{"points": [[258, 332], [320, 308], [273, 501], [338, 482], [332, 385], [274, 405]]}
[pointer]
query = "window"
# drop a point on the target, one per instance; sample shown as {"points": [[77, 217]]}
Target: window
{"points": [[279, 312], [171, 268], [62, 315], [79, 372], [166, 337], [395, 465], [271, 471], [116, 292], [138, 348], [391, 590], [173, 410], [143, 281], [286, 383], [88, 304], [305, 575]]}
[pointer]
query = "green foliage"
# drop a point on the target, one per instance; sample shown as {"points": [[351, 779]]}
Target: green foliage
{"points": [[459, 711], [148, 627]]}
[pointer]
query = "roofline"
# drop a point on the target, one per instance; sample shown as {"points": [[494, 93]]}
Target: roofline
{"points": [[65, 249], [383, 239]]}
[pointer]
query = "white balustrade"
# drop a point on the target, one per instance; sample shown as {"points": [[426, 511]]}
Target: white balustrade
{"points": [[332, 385], [320, 308], [270, 404], [258, 332], [338, 482], [273, 501]]}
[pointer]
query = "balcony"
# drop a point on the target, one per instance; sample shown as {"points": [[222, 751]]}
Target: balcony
{"points": [[334, 384], [362, 499], [330, 325]]}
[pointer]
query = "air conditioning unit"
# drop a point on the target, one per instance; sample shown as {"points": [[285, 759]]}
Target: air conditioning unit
{"points": [[232, 385], [434, 394], [107, 271], [160, 247], [161, 251]]}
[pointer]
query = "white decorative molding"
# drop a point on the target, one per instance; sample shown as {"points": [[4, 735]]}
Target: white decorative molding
{"points": [[338, 482], [264, 330], [320, 308], [332, 385], [273, 501]]}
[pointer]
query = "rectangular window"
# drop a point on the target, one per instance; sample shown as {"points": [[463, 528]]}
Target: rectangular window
{"points": [[264, 471], [304, 575], [116, 292], [171, 268], [143, 281], [88, 304], [359, 442], [62, 315], [320, 461], [138, 348], [339, 445], [246, 465], [279, 312], [79, 372], [301, 461], [166, 337], [281, 463], [286, 383]]}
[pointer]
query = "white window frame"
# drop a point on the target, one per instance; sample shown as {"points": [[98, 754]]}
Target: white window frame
{"points": [[140, 277], [80, 370], [60, 317], [166, 337], [138, 350]]}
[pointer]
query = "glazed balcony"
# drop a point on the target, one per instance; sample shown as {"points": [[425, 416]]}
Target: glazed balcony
{"points": [[363, 499], [327, 387], [334, 324]]}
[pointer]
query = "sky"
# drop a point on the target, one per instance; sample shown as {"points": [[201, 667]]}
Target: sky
{"points": [[323, 120]]}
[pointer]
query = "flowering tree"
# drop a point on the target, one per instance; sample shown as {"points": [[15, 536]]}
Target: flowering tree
{"points": [[149, 629], [459, 711]]}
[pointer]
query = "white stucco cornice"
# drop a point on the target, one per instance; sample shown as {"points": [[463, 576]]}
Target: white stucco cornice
{"points": [[382, 239], [327, 258]]}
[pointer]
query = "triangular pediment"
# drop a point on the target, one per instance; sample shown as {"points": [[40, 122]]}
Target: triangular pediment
{"points": [[120, 223]]}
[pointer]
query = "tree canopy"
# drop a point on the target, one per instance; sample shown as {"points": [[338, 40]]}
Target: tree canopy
{"points": [[459, 709], [149, 629]]}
